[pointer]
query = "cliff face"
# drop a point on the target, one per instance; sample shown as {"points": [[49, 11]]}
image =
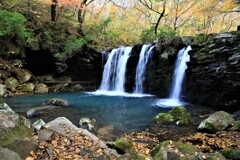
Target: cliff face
{"points": [[213, 75]]}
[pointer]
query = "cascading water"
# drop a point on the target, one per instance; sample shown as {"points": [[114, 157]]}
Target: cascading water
{"points": [[141, 67], [179, 73], [114, 70]]}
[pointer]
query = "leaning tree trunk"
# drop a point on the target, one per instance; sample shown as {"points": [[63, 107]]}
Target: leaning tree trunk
{"points": [[81, 15], [53, 10]]}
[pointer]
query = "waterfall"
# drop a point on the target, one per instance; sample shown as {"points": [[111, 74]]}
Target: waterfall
{"points": [[141, 67], [113, 78], [179, 72]]}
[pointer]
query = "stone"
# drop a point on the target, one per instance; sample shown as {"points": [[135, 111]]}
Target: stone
{"points": [[173, 150], [105, 131], [11, 83], [32, 113], [124, 145], [12, 127], [236, 126], [207, 156], [44, 135], [231, 154], [23, 75], [41, 88], [177, 115], [38, 125], [28, 87], [56, 102], [3, 90], [22, 147], [87, 123], [7, 154], [66, 79], [5, 109], [217, 121]]}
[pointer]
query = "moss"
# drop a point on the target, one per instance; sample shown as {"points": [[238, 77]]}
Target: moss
{"points": [[236, 126], [178, 115], [231, 154], [124, 145]]}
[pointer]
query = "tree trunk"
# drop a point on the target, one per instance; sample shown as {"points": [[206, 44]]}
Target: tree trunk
{"points": [[53, 10]]}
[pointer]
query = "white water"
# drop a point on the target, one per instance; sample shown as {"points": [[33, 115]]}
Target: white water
{"points": [[179, 73], [114, 70], [141, 67]]}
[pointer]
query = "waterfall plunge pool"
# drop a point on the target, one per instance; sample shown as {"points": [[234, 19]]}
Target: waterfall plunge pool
{"points": [[126, 113]]}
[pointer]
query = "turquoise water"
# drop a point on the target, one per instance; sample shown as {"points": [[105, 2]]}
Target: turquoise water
{"points": [[125, 113]]}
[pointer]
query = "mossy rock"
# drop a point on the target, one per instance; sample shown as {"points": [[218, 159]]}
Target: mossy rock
{"points": [[2, 90], [217, 121], [13, 127], [173, 150], [236, 126], [11, 83], [177, 115], [23, 75], [124, 145], [41, 88], [56, 102], [231, 154], [132, 156], [28, 87]]}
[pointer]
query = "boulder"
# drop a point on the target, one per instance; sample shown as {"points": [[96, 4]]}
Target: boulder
{"points": [[22, 147], [236, 126], [105, 131], [2, 90], [56, 102], [11, 83], [174, 150], [87, 123], [28, 87], [124, 145], [32, 113], [41, 88], [231, 154], [217, 121], [12, 126], [7, 154], [22, 75], [207, 156], [177, 115], [38, 125]]}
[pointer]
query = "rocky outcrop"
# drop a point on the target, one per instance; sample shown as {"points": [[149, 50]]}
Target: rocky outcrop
{"points": [[55, 102], [7, 154], [41, 88], [2, 90], [214, 72]]}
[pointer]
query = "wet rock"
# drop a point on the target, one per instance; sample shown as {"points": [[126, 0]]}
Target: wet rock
{"points": [[56, 102], [66, 79], [231, 154], [217, 121], [123, 145], [2, 90], [7, 154], [28, 87], [174, 150], [22, 147], [87, 123], [177, 115], [44, 135], [11, 83], [41, 88], [32, 113], [38, 125]]}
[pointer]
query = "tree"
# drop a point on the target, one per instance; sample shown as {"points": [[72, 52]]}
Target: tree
{"points": [[53, 9]]}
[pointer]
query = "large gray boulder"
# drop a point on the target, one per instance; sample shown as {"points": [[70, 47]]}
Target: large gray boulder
{"points": [[22, 75], [217, 121], [12, 125]]}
